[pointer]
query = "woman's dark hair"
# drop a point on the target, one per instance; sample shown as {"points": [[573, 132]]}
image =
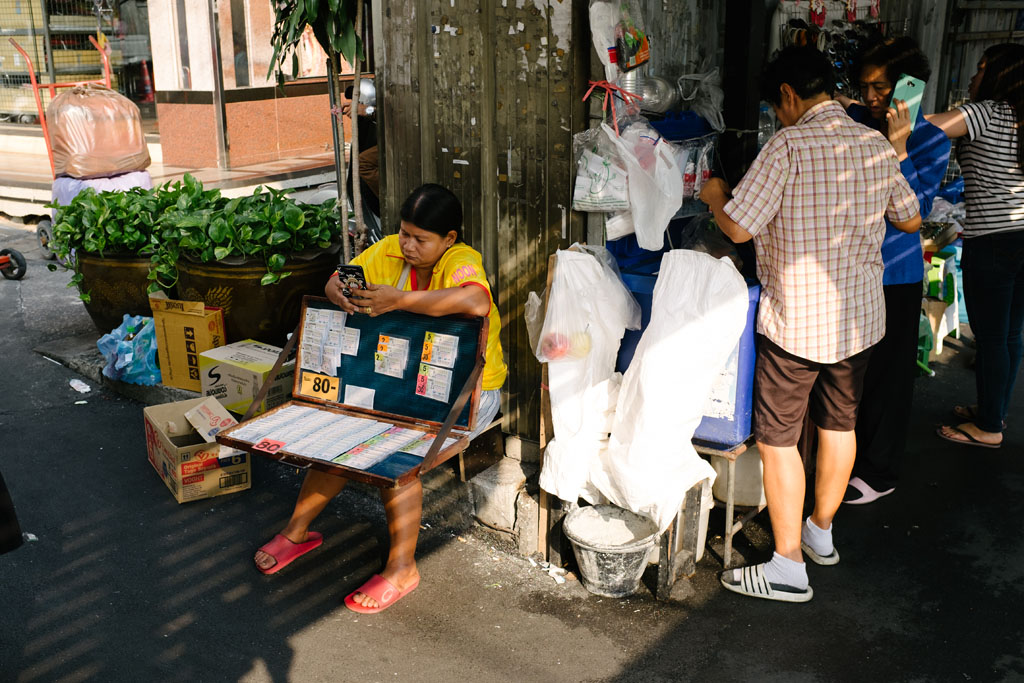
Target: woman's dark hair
{"points": [[899, 56], [804, 69], [1004, 82], [434, 208]]}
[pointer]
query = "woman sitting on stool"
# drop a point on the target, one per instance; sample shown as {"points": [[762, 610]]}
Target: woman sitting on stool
{"points": [[426, 268]]}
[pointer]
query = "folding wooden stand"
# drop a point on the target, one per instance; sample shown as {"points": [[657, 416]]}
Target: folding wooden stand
{"points": [[396, 400]]}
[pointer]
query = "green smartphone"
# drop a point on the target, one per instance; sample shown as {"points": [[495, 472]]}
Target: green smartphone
{"points": [[910, 90]]}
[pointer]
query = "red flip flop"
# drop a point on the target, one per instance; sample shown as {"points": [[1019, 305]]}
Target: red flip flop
{"points": [[381, 590], [285, 552]]}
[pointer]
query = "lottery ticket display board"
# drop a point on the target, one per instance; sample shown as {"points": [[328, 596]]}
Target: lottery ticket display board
{"points": [[372, 395]]}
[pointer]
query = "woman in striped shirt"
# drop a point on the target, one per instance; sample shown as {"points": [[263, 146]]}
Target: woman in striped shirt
{"points": [[992, 159]]}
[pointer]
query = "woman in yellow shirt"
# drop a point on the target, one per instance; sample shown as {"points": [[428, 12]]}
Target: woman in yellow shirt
{"points": [[426, 268]]}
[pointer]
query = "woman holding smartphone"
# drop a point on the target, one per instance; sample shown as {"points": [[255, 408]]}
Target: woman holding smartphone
{"points": [[889, 380], [426, 268], [992, 160]]}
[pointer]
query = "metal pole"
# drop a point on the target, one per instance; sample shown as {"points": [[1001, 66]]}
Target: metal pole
{"points": [[218, 90]]}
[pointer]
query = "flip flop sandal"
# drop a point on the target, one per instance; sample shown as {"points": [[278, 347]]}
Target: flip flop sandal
{"points": [[968, 440], [867, 493], [750, 580], [381, 590], [285, 551], [969, 413], [824, 560]]}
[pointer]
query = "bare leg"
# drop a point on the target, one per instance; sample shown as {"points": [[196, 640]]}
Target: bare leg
{"points": [[784, 492], [317, 490], [404, 510], [836, 453]]}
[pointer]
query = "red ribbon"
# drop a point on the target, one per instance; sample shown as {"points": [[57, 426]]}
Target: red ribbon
{"points": [[609, 96]]}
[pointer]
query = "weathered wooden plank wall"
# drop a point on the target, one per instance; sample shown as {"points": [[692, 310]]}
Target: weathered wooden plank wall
{"points": [[483, 96]]}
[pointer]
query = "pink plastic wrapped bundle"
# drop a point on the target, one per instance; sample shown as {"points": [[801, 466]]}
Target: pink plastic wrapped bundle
{"points": [[95, 132]]}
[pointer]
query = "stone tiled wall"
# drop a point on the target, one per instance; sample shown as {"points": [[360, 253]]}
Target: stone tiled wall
{"points": [[259, 130]]}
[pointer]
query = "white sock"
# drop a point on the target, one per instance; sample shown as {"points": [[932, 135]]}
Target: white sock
{"points": [[786, 571], [819, 539]]}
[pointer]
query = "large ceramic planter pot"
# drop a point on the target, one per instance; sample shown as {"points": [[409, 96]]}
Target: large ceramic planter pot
{"points": [[116, 285], [251, 310]]}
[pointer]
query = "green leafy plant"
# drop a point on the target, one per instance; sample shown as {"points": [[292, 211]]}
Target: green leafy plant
{"points": [[105, 224], [183, 220], [203, 226]]}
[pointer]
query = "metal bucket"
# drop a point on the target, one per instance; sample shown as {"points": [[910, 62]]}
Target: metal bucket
{"points": [[612, 546]]}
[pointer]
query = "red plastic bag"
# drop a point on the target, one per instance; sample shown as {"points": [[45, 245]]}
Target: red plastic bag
{"points": [[95, 132]]}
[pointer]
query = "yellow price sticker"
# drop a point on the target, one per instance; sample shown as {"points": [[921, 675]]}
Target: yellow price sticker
{"points": [[320, 386]]}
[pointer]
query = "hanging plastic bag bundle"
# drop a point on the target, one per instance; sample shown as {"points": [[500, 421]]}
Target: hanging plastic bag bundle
{"points": [[704, 93], [583, 387], [655, 182], [601, 182], [130, 351], [698, 313]]}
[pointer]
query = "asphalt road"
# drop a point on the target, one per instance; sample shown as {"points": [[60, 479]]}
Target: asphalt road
{"points": [[124, 584]]}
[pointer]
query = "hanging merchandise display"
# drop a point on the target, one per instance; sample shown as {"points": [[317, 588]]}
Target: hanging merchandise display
{"points": [[650, 462], [588, 310], [844, 29]]}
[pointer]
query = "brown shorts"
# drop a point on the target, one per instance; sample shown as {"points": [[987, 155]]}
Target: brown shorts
{"points": [[785, 386]]}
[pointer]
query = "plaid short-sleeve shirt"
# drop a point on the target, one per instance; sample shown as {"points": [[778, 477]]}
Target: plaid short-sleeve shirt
{"points": [[814, 201]]}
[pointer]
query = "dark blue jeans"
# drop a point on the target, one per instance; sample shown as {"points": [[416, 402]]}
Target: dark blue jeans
{"points": [[993, 268]]}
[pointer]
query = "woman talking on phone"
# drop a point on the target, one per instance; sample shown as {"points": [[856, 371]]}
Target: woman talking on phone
{"points": [[923, 152], [426, 268], [992, 160]]}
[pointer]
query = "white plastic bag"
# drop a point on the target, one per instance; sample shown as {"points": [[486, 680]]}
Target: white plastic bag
{"points": [[601, 182], [698, 313], [655, 182], [704, 92], [584, 388], [587, 297], [603, 18]]}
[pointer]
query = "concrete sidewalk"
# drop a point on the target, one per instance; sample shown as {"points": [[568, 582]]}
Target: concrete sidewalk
{"points": [[124, 584]]}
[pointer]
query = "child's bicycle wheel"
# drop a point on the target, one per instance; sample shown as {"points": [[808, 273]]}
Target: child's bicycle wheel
{"points": [[12, 264]]}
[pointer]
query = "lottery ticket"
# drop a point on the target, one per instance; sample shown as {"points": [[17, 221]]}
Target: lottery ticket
{"points": [[434, 382], [440, 349], [391, 356]]}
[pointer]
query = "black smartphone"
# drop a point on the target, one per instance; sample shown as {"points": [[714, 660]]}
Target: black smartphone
{"points": [[351, 277]]}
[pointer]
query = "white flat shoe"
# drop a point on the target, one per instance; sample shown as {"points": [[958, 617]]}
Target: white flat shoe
{"points": [[867, 494]]}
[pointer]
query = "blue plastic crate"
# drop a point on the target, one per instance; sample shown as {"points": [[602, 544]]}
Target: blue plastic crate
{"points": [[732, 425]]}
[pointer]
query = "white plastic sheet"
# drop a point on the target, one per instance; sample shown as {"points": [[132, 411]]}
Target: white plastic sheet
{"points": [[698, 313], [584, 389], [655, 182]]}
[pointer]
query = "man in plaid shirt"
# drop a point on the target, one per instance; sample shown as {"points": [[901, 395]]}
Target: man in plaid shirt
{"points": [[813, 202]]}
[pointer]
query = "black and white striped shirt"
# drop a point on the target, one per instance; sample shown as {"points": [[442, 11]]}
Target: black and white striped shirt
{"points": [[993, 180]]}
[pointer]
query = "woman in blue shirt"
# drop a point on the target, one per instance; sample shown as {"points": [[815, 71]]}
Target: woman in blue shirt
{"points": [[923, 150]]}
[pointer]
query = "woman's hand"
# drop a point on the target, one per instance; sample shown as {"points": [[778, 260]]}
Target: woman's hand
{"points": [[333, 291], [899, 127], [376, 299]]}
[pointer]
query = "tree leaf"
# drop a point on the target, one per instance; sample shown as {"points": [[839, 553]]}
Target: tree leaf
{"points": [[276, 262], [279, 236], [293, 217]]}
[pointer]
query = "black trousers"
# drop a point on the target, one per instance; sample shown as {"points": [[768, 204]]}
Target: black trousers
{"points": [[883, 419]]}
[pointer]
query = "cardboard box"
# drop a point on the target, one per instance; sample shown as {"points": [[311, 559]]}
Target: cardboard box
{"points": [[192, 466], [233, 374], [184, 329]]}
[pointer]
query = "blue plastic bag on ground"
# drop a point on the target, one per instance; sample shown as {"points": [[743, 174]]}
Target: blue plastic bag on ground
{"points": [[130, 350]]}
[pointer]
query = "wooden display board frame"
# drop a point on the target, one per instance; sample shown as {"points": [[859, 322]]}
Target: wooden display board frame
{"points": [[436, 454]]}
